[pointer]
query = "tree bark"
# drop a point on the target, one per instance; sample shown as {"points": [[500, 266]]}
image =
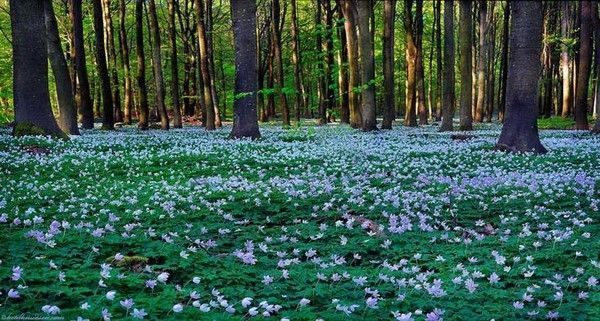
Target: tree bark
{"points": [[279, 75], [410, 118], [141, 66], [108, 122], [504, 62], [343, 70], [177, 121], [30, 69], [157, 64], [245, 121], [67, 119], [565, 60], [438, 49], [204, 61], [585, 59], [128, 88], [520, 131], [86, 107], [369, 120], [328, 63], [349, 11], [448, 104], [466, 58], [112, 59], [296, 60], [419, 70], [208, 26], [481, 61], [389, 109]]}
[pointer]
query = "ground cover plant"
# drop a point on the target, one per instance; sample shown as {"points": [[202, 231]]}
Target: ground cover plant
{"points": [[322, 223]]}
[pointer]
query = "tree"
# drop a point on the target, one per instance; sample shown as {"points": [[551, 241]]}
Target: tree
{"points": [[504, 62], [279, 75], [344, 101], [520, 131], [481, 61], [204, 61], [67, 119], [141, 66], [108, 121], [565, 60], [245, 120], [389, 112], [419, 70], [30, 70], [585, 59], [448, 81], [465, 41], [86, 105], [296, 60], [369, 117], [112, 60], [157, 66], [177, 123], [124, 45], [410, 118], [349, 11]]}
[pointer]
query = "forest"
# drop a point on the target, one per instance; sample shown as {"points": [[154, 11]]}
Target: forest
{"points": [[299, 160]]}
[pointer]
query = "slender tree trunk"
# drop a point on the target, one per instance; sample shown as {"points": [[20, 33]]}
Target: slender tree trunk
{"points": [[369, 116], [321, 80], [465, 41], [597, 62], [520, 132], [389, 111], [448, 104], [245, 122], [585, 59], [481, 61], [419, 71], [141, 66], [67, 119], [328, 63], [410, 118], [349, 11], [157, 65], [296, 60], [438, 49], [343, 70], [30, 69], [204, 61], [504, 62], [112, 60], [565, 60], [86, 106], [208, 26], [279, 75], [490, 49], [128, 108], [108, 121], [177, 121]]}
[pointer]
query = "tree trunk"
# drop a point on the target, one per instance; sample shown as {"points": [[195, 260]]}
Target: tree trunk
{"points": [[597, 62], [208, 26], [30, 70], [389, 111], [438, 49], [481, 61], [343, 70], [128, 108], [108, 122], [349, 11], [157, 65], [177, 122], [490, 51], [328, 63], [466, 80], [410, 118], [245, 122], [296, 60], [448, 104], [67, 119], [419, 72], [585, 59], [141, 66], [112, 60], [369, 117], [504, 62], [520, 131], [86, 107], [279, 75], [321, 80], [565, 60], [205, 72]]}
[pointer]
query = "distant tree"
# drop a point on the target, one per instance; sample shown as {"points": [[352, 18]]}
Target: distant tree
{"points": [[369, 116], [245, 120], [124, 45], [565, 59], [448, 101], [520, 131], [157, 66], [204, 66], [30, 69], [67, 119], [142, 91], [86, 106], [177, 122], [465, 41], [344, 101], [108, 121], [481, 61], [349, 11], [585, 59], [296, 60], [389, 108], [419, 69], [410, 118], [112, 60], [277, 56], [504, 62]]}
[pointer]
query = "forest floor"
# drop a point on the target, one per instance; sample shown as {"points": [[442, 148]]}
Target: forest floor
{"points": [[302, 224]]}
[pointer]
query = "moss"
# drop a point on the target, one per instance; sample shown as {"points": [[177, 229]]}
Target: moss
{"points": [[129, 261], [27, 129]]}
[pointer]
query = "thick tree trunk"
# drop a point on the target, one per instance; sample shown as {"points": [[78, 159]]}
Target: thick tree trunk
{"points": [[565, 60], [177, 121], [204, 61], [30, 69], [108, 121], [448, 103], [157, 64], [349, 11], [410, 117], [245, 122], [296, 60], [585, 59], [466, 79], [369, 116], [124, 44], [389, 108], [67, 119], [141, 66], [520, 131], [419, 71], [86, 107]]}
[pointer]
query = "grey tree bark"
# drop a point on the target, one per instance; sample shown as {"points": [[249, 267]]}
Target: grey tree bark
{"points": [[448, 101]]}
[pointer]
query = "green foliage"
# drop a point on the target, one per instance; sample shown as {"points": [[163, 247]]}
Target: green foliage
{"points": [[557, 122]]}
